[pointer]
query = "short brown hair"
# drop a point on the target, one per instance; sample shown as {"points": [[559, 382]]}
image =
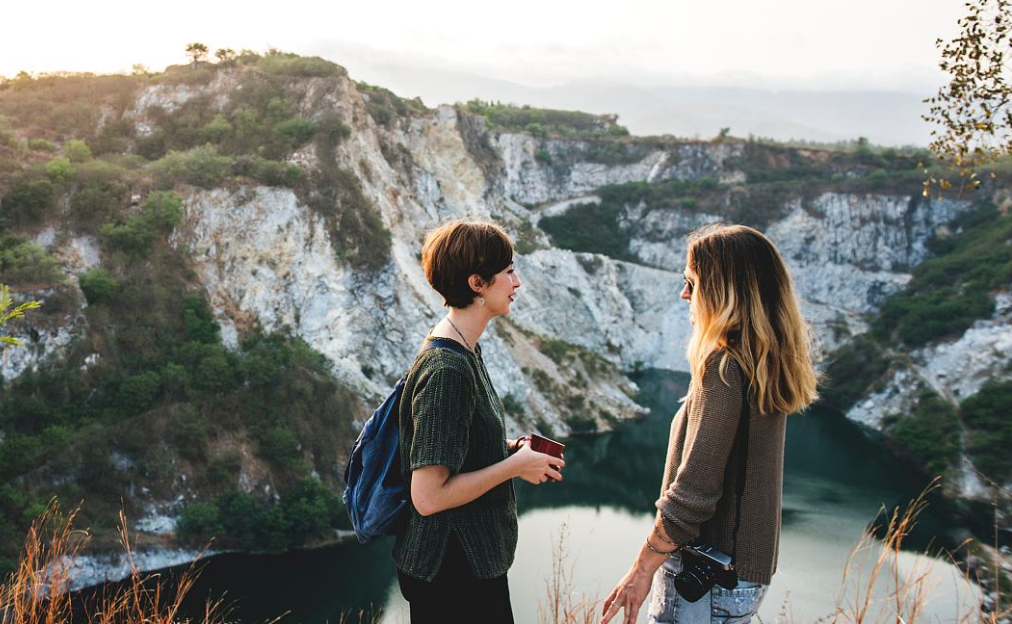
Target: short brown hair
{"points": [[454, 252]]}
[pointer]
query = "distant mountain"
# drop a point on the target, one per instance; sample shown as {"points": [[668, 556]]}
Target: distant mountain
{"points": [[885, 118]]}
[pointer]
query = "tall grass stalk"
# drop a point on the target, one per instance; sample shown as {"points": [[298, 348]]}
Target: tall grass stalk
{"points": [[562, 604], [38, 591], [889, 593]]}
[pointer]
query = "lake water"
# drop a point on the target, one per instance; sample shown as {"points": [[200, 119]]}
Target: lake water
{"points": [[836, 481]]}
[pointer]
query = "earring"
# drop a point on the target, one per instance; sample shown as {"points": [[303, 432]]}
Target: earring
{"points": [[481, 302]]}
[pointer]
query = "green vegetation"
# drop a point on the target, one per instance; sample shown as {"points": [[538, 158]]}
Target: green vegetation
{"points": [[356, 230], [614, 152], [514, 407], [76, 151], [24, 263], [989, 437], [950, 291], [200, 166], [27, 201], [930, 434], [178, 404], [385, 107], [97, 285], [853, 371], [288, 64], [543, 122], [592, 228], [239, 520], [161, 212], [776, 175], [97, 202], [199, 142], [164, 395]]}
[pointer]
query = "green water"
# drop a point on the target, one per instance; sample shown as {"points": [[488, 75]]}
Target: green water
{"points": [[836, 480]]}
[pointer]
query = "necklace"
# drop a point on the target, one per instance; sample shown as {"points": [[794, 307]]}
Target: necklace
{"points": [[456, 329]]}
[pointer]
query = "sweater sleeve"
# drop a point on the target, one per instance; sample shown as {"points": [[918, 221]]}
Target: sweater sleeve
{"points": [[713, 413], [442, 409]]}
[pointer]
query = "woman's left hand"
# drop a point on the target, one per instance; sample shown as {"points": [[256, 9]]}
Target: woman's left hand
{"points": [[628, 595]]}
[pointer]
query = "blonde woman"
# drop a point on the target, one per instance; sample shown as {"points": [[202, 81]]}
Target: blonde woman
{"points": [[718, 520]]}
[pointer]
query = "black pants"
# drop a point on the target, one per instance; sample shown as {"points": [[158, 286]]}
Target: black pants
{"points": [[455, 596]]}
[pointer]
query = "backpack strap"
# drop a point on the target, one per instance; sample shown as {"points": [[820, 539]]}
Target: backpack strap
{"points": [[444, 343]]}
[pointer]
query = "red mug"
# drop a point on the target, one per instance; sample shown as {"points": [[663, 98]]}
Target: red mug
{"points": [[547, 446]]}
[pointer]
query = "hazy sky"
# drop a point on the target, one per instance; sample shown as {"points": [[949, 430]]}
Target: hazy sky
{"points": [[808, 44]]}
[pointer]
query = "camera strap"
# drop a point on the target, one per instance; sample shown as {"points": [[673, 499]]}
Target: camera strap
{"points": [[741, 456]]}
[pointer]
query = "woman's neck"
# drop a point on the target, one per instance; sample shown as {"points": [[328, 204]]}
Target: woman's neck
{"points": [[470, 321]]}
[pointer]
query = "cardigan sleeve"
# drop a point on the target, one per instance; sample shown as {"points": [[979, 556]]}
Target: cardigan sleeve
{"points": [[713, 412]]}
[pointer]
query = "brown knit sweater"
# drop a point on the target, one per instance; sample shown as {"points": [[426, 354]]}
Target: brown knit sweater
{"points": [[699, 490]]}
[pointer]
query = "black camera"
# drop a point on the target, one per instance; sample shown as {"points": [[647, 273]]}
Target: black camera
{"points": [[703, 567]]}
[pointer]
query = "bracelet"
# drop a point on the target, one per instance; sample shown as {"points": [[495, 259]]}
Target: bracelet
{"points": [[663, 539], [660, 552]]}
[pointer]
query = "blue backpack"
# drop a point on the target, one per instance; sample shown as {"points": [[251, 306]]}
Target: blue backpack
{"points": [[375, 493]]}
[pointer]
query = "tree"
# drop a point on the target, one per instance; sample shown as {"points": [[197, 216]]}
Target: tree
{"points": [[196, 51], [973, 112], [225, 55], [76, 150], [9, 314]]}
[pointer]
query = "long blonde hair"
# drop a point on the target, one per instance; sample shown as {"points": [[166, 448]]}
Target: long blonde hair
{"points": [[744, 304]]}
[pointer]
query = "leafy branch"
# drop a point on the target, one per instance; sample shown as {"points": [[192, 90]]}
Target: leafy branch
{"points": [[9, 314], [973, 111]]}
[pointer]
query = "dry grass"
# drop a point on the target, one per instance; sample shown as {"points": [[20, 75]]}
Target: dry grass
{"points": [[875, 589], [889, 592], [562, 604], [38, 590]]}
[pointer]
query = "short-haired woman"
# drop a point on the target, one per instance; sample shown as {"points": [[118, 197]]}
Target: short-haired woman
{"points": [[751, 362], [461, 535]]}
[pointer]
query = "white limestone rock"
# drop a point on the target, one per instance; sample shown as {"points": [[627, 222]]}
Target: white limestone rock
{"points": [[93, 569], [983, 353]]}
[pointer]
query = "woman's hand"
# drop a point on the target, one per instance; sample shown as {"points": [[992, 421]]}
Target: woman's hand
{"points": [[628, 595], [534, 467]]}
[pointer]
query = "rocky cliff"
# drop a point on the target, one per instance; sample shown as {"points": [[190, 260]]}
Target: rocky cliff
{"points": [[272, 257]]}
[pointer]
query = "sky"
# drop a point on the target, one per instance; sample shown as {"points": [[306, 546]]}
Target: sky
{"points": [[778, 44]]}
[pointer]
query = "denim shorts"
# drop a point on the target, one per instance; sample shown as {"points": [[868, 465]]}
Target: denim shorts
{"points": [[719, 605]]}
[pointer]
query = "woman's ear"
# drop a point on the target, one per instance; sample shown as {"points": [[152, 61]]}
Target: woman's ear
{"points": [[476, 283]]}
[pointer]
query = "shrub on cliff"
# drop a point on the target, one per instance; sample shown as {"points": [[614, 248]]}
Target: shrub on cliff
{"points": [[25, 263], [136, 236], [929, 433], [987, 417], [96, 202], [97, 285], [27, 201], [852, 370], [200, 166], [242, 520], [276, 62]]}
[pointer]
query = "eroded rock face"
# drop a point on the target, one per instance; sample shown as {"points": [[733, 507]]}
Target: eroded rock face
{"points": [[956, 369], [983, 353], [267, 260], [536, 170]]}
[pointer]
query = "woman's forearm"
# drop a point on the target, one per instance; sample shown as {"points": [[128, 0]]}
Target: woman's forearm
{"points": [[434, 489]]}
